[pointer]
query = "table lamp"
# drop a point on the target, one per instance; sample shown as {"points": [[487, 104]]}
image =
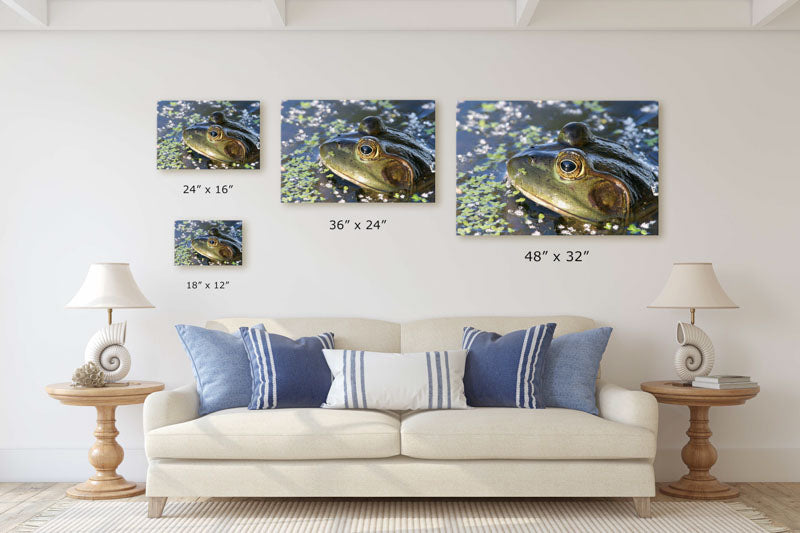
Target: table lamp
{"points": [[693, 286], [109, 286]]}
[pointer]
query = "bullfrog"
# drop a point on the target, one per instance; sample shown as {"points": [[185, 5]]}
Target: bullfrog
{"points": [[380, 159], [222, 140], [218, 247], [585, 177]]}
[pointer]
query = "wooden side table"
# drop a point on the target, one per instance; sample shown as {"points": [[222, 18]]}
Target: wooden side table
{"points": [[698, 454], [106, 454]]}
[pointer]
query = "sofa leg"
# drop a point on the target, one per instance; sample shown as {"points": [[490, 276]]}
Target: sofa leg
{"points": [[642, 506], [155, 506]]}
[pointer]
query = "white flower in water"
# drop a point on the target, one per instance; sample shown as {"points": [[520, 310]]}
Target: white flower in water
{"points": [[519, 212]]}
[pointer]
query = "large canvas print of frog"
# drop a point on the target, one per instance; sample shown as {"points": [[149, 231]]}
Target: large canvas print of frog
{"points": [[368, 151], [208, 134], [557, 168]]}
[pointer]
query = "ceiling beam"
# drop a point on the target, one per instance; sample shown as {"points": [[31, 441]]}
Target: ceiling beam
{"points": [[525, 11], [34, 11], [278, 10], [765, 11]]}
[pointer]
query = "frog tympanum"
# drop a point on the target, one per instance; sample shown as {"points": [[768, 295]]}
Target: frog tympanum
{"points": [[223, 140], [380, 159], [218, 248], [585, 177]]}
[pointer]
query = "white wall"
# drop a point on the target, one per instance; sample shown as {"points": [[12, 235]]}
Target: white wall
{"points": [[77, 131]]}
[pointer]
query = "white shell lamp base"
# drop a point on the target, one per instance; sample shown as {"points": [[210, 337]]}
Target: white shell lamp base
{"points": [[695, 357], [106, 349]]}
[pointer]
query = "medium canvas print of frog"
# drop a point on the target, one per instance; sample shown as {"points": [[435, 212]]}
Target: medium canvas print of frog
{"points": [[557, 167], [369, 151], [208, 134], [208, 242]]}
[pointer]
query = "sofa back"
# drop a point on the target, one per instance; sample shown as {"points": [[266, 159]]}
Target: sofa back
{"points": [[446, 333], [417, 336], [349, 333]]}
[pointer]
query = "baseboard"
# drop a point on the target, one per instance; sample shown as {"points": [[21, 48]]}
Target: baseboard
{"points": [[737, 464], [66, 464], [63, 464]]}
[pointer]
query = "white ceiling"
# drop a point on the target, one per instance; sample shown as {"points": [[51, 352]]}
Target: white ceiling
{"points": [[399, 14]]}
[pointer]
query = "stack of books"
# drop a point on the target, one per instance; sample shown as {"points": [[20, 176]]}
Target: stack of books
{"points": [[723, 382]]}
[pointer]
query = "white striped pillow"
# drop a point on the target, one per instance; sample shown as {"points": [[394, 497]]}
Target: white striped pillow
{"points": [[396, 381]]}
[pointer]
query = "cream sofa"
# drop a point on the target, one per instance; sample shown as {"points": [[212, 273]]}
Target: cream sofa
{"points": [[481, 452]]}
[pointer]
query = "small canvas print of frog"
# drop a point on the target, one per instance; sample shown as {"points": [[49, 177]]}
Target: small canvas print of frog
{"points": [[208, 242], [557, 167], [208, 134], [369, 151]]}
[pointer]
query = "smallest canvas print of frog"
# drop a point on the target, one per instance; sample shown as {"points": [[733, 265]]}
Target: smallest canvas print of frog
{"points": [[369, 151], [209, 134], [552, 167], [208, 242]]}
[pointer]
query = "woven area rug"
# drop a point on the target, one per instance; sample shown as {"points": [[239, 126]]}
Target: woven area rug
{"points": [[309, 515]]}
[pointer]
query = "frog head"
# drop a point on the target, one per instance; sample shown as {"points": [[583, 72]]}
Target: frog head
{"points": [[218, 247], [585, 177], [223, 140], [377, 158]]}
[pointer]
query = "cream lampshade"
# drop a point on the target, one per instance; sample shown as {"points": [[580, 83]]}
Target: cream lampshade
{"points": [[693, 286], [109, 286]]}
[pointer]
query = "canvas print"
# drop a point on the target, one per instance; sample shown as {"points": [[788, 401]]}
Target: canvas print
{"points": [[358, 151], [208, 242], [557, 168], [208, 134]]}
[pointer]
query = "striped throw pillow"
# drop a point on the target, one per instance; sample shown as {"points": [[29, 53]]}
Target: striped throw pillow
{"points": [[286, 372], [396, 381], [506, 370]]}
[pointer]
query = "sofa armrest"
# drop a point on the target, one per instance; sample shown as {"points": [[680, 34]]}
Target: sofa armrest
{"points": [[635, 408], [169, 407]]}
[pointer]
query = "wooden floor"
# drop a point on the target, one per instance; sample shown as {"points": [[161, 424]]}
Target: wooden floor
{"points": [[21, 501]]}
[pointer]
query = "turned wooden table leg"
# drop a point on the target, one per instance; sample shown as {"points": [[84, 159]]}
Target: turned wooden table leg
{"points": [[699, 455], [105, 455]]}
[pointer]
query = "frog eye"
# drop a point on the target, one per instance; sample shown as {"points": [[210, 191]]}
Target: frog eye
{"points": [[213, 241], [571, 164], [367, 148], [214, 133], [568, 166]]}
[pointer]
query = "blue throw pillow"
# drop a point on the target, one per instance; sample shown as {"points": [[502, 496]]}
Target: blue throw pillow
{"points": [[571, 367], [506, 371], [286, 372], [220, 365]]}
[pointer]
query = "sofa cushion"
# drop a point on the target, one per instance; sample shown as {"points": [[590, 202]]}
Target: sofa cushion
{"points": [[510, 433], [281, 434]]}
